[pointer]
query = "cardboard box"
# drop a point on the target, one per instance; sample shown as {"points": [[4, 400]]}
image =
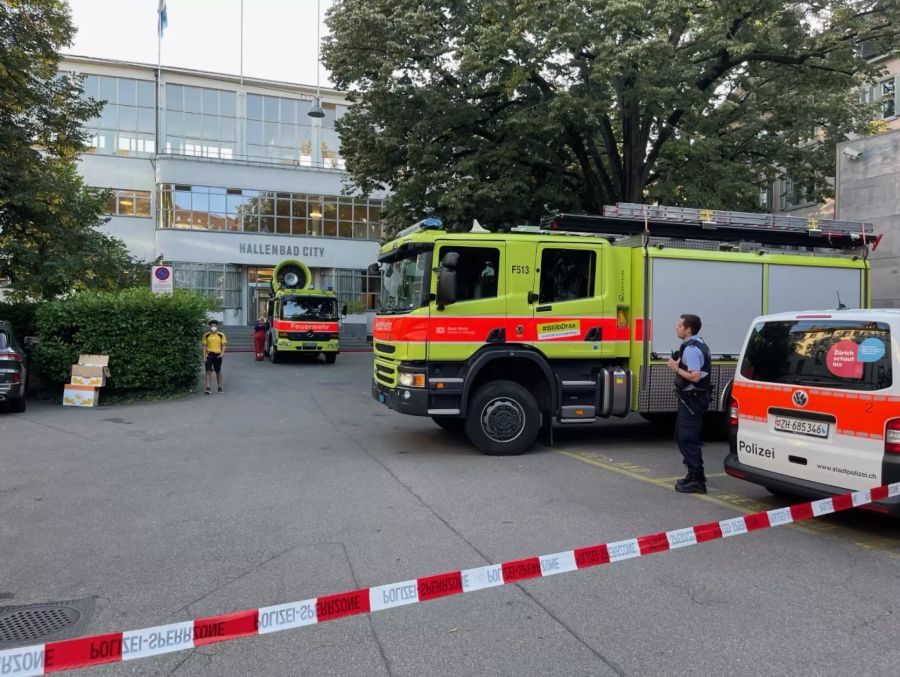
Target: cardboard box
{"points": [[91, 370], [80, 396]]}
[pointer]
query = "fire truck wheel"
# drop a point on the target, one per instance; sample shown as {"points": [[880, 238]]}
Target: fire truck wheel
{"points": [[451, 425], [330, 357], [504, 419], [276, 358]]}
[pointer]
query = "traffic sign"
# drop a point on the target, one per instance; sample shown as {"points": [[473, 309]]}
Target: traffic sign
{"points": [[162, 280]]}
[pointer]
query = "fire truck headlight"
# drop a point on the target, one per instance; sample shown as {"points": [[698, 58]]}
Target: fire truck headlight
{"points": [[412, 380], [282, 334]]}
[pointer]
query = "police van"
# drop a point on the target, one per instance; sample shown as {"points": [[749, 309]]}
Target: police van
{"points": [[815, 404]]}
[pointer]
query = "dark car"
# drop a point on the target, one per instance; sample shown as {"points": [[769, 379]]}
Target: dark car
{"points": [[12, 370]]}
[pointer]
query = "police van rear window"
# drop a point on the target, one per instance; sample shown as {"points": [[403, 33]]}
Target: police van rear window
{"points": [[852, 355]]}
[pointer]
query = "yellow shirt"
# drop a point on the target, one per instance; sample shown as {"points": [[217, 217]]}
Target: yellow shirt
{"points": [[214, 342]]}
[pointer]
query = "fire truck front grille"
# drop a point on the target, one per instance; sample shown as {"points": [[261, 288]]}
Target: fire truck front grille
{"points": [[309, 336], [385, 373]]}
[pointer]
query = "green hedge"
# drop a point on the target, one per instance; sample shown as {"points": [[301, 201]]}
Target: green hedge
{"points": [[153, 341], [21, 315]]}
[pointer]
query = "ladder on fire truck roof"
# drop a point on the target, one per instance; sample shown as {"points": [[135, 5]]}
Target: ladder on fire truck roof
{"points": [[627, 218]]}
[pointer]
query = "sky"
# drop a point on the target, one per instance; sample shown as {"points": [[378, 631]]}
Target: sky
{"points": [[279, 35]]}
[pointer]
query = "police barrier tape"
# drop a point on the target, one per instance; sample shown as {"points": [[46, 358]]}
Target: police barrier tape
{"points": [[124, 646]]}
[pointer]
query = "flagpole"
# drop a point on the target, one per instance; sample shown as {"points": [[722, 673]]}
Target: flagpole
{"points": [[159, 28], [242, 46]]}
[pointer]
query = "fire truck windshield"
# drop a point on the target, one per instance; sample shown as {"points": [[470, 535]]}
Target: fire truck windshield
{"points": [[308, 308], [404, 283]]}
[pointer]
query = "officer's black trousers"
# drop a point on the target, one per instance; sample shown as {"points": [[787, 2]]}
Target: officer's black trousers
{"points": [[687, 432]]}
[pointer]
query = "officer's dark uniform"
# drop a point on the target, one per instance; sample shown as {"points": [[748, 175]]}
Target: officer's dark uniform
{"points": [[693, 401]]}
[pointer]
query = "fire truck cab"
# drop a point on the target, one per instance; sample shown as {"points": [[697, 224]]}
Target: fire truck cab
{"points": [[301, 319]]}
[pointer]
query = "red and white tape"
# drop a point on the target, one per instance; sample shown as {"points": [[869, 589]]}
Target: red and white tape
{"points": [[68, 654]]}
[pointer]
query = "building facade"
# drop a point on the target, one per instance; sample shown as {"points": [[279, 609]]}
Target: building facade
{"points": [[868, 189], [223, 177], [866, 184]]}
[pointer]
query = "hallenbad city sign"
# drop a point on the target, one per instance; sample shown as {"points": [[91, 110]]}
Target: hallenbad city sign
{"points": [[307, 252], [264, 250]]}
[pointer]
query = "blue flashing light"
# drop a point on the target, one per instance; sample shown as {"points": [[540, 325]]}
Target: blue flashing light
{"points": [[430, 223]]}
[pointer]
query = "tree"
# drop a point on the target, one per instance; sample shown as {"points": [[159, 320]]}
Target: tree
{"points": [[48, 241], [504, 109]]}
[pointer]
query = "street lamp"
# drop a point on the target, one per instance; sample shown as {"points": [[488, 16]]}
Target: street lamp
{"points": [[316, 110]]}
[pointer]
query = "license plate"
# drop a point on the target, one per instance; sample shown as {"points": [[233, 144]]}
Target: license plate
{"points": [[799, 426], [309, 345]]}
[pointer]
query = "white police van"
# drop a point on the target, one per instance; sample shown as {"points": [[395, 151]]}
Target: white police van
{"points": [[815, 404]]}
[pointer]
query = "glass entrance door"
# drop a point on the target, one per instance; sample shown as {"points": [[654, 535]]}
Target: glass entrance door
{"points": [[259, 281]]}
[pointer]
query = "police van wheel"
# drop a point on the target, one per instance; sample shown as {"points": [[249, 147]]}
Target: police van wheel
{"points": [[504, 419], [330, 357], [17, 406]]}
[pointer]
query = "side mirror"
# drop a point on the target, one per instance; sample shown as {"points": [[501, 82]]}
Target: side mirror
{"points": [[344, 311], [446, 291], [374, 269]]}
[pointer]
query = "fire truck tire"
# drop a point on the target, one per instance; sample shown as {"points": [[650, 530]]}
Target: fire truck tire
{"points": [[330, 357], [450, 424], [276, 358], [504, 419]]}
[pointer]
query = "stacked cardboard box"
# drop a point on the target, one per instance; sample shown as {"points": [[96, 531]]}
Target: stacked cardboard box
{"points": [[88, 376]]}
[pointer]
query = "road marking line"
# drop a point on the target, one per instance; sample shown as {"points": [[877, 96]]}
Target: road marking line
{"points": [[679, 477], [740, 503]]}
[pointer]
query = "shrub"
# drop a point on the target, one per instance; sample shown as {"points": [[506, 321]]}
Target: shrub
{"points": [[21, 315], [153, 341]]}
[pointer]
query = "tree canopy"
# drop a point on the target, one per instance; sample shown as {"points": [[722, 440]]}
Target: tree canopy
{"points": [[502, 110], [48, 241]]}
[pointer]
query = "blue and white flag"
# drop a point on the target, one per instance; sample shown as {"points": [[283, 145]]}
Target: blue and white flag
{"points": [[163, 17]]}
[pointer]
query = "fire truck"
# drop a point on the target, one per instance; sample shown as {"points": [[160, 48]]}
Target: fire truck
{"points": [[301, 319], [505, 335]]}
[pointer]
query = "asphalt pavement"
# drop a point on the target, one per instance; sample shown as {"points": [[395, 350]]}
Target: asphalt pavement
{"points": [[295, 483]]}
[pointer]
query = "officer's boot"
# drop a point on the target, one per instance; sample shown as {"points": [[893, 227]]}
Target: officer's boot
{"points": [[694, 483], [687, 478]]}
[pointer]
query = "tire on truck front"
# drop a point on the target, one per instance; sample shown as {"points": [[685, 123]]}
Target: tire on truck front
{"points": [[503, 419]]}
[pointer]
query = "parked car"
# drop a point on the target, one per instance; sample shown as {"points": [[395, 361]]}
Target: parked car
{"points": [[13, 374]]}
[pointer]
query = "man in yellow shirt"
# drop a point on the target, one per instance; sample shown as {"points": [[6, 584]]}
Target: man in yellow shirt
{"points": [[213, 348]]}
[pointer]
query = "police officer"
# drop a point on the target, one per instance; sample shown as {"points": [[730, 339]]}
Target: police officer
{"points": [[692, 366]]}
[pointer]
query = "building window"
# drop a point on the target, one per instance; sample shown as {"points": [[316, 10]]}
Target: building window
{"points": [[884, 95], [793, 195], [201, 122], [216, 281], [274, 213], [126, 202], [356, 289], [279, 129], [331, 143], [127, 121]]}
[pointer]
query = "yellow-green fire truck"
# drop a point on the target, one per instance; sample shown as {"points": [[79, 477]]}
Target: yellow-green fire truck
{"points": [[301, 319], [503, 335]]}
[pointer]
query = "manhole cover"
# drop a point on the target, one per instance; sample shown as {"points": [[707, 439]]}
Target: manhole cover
{"points": [[40, 622]]}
